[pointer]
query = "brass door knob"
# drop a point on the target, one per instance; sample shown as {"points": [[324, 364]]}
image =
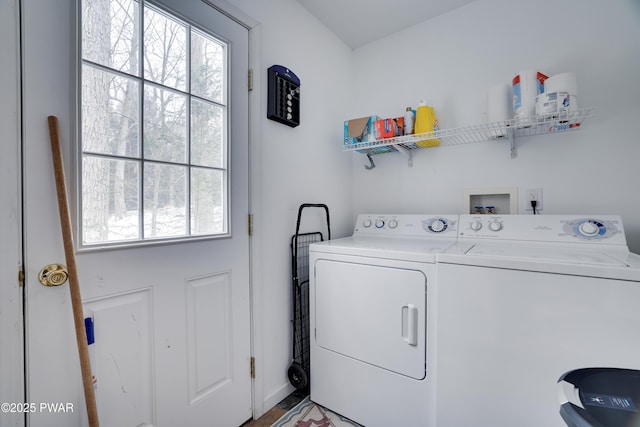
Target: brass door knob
{"points": [[53, 275]]}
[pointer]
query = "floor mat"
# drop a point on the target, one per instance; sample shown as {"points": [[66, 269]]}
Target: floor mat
{"points": [[308, 414]]}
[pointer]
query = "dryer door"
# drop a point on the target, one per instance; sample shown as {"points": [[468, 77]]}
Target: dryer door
{"points": [[373, 314]]}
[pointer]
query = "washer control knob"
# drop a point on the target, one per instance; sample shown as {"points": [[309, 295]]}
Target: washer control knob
{"points": [[379, 223], [366, 223], [588, 228], [438, 225], [476, 225], [495, 226], [393, 223]]}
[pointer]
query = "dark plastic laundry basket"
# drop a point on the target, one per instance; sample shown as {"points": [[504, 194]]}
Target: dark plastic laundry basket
{"points": [[600, 397]]}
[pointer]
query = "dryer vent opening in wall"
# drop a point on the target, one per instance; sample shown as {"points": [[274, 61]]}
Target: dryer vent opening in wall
{"points": [[284, 96]]}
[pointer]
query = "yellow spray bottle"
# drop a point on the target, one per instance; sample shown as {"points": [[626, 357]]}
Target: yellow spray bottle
{"points": [[426, 122]]}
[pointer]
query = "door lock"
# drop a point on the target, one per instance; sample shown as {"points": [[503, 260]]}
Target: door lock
{"points": [[53, 275]]}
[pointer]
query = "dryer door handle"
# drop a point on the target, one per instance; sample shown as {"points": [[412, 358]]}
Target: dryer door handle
{"points": [[410, 324]]}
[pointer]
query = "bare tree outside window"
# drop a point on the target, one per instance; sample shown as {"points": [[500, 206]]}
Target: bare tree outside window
{"points": [[153, 126]]}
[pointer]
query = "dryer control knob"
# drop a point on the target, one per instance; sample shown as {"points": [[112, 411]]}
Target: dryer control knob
{"points": [[366, 223], [438, 226], [393, 223], [379, 223], [495, 226], [476, 225], [588, 229]]}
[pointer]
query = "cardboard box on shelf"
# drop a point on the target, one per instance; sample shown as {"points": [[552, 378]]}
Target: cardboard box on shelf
{"points": [[363, 130], [389, 128], [359, 130]]}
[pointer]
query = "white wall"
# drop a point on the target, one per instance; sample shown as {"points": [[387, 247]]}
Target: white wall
{"points": [[296, 165], [451, 61]]}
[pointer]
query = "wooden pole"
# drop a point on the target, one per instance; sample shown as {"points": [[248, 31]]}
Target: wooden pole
{"points": [[74, 286]]}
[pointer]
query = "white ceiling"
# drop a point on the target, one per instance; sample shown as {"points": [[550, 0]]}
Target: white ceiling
{"points": [[358, 22]]}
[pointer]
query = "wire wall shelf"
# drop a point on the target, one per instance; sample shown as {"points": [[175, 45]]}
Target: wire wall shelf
{"points": [[506, 130]]}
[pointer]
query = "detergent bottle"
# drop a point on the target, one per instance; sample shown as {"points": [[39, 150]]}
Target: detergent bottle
{"points": [[426, 121]]}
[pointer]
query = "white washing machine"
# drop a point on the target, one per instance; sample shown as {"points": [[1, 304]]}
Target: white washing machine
{"points": [[523, 300], [373, 319]]}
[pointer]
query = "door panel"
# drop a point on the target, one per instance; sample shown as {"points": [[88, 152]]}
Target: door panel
{"points": [[122, 357], [373, 314], [171, 321], [208, 323]]}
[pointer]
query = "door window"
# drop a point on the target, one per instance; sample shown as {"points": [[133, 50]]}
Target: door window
{"points": [[153, 137]]}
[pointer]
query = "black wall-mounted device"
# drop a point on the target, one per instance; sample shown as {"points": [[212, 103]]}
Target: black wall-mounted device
{"points": [[284, 96]]}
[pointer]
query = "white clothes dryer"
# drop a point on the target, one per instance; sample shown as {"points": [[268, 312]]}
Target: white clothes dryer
{"points": [[523, 300], [373, 319]]}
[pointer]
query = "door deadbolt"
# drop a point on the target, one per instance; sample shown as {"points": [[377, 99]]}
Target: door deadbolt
{"points": [[53, 275]]}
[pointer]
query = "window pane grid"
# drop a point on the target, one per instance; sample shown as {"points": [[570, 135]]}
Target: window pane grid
{"points": [[175, 157]]}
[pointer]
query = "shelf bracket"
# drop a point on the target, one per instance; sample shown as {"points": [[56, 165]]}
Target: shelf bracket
{"points": [[512, 143], [405, 152], [371, 165]]}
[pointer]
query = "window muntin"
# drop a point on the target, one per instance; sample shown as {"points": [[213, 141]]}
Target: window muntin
{"points": [[154, 138]]}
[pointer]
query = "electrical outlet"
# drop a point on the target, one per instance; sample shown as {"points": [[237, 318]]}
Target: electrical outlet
{"points": [[533, 194]]}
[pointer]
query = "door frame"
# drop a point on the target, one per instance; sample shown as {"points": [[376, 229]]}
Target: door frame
{"points": [[11, 290]]}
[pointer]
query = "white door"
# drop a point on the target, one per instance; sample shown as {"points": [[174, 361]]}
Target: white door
{"points": [[171, 318]]}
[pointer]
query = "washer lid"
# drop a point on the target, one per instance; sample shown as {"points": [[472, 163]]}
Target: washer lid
{"points": [[575, 260], [547, 253]]}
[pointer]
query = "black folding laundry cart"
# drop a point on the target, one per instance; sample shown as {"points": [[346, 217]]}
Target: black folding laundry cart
{"points": [[600, 397], [299, 370]]}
